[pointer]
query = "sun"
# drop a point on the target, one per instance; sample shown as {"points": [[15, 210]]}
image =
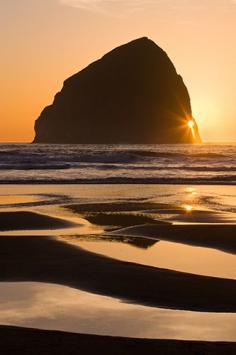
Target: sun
{"points": [[191, 124]]}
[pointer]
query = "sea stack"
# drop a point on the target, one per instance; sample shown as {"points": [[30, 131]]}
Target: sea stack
{"points": [[132, 95]]}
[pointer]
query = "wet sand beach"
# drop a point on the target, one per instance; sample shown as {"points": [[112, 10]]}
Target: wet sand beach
{"points": [[39, 242], [32, 341], [46, 259], [21, 220], [221, 237]]}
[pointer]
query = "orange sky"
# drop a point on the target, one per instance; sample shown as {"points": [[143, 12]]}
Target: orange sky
{"points": [[45, 41]]}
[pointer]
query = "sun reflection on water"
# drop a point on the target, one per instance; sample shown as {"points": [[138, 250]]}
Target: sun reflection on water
{"points": [[188, 208]]}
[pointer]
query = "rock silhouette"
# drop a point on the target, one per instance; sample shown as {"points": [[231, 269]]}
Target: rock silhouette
{"points": [[131, 95]]}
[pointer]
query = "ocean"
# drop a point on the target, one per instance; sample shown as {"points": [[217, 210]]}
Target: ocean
{"points": [[98, 164]]}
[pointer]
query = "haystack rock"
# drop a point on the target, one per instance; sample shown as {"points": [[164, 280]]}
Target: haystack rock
{"points": [[131, 95]]}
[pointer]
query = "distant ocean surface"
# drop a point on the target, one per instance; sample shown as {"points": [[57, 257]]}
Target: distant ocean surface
{"points": [[170, 164]]}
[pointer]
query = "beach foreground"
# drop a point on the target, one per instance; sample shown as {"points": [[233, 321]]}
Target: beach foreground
{"points": [[45, 259], [34, 342], [74, 236]]}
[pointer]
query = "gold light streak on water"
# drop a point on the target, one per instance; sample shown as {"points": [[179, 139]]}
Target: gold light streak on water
{"points": [[188, 208], [191, 190]]}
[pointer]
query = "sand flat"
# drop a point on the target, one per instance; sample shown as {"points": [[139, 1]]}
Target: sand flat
{"points": [[57, 307], [48, 259], [167, 255], [53, 261], [26, 220], [37, 342], [222, 237]]}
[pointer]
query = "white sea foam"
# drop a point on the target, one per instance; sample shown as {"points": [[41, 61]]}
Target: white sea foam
{"points": [[207, 163]]}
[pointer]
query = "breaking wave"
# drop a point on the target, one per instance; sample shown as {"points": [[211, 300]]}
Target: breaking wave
{"points": [[42, 163]]}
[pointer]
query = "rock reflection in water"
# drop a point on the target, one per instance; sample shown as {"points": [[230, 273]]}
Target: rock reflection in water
{"points": [[163, 254]]}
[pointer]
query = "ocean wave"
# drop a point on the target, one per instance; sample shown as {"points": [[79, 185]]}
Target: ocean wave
{"points": [[115, 167], [32, 166], [117, 164], [219, 180], [151, 154]]}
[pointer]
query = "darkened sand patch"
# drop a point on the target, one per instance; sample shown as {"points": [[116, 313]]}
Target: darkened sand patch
{"points": [[222, 237], [25, 341], [123, 206], [139, 242], [118, 219], [53, 261], [187, 214], [13, 221], [154, 211]]}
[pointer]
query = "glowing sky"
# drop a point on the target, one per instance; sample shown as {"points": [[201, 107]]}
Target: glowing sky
{"points": [[45, 41]]}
